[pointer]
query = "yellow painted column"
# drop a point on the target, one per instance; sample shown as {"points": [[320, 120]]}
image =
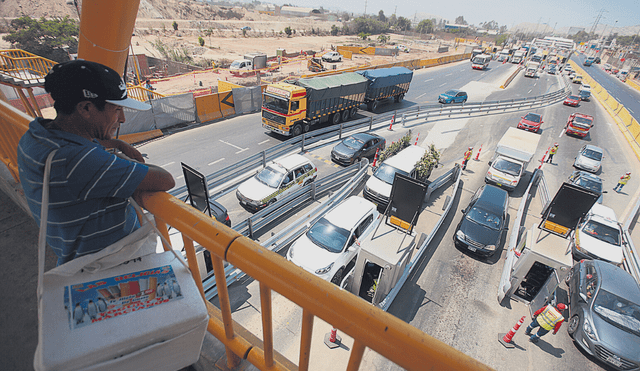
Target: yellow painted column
{"points": [[105, 31]]}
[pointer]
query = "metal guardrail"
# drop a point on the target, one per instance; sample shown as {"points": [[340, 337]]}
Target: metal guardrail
{"points": [[631, 258], [26, 69], [348, 179]]}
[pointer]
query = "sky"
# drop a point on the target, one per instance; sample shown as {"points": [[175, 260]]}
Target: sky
{"points": [[558, 13]]}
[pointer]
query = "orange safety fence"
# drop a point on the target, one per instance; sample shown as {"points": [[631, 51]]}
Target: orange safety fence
{"points": [[13, 124], [23, 65]]}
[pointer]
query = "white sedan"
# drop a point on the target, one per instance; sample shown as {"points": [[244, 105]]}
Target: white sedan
{"points": [[332, 57], [585, 87], [334, 240]]}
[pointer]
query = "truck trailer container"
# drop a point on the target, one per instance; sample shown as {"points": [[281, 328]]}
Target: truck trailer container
{"points": [[291, 108], [386, 83]]}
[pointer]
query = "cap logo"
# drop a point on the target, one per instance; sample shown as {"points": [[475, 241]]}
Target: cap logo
{"points": [[123, 88], [89, 95]]}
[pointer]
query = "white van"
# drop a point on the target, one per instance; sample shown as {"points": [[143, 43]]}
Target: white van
{"points": [[378, 187]]}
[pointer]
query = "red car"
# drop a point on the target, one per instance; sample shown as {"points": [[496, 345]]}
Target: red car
{"points": [[572, 100], [531, 122], [579, 124]]}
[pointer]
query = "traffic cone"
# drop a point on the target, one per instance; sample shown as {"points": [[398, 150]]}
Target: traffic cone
{"points": [[543, 158], [416, 143], [393, 119], [375, 159], [478, 154], [506, 338], [332, 340]]}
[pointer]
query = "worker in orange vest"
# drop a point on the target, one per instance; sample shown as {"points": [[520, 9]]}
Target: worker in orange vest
{"points": [[623, 180], [552, 152], [547, 318], [467, 157]]}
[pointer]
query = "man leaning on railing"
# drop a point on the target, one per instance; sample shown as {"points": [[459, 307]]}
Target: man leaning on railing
{"points": [[90, 186]]}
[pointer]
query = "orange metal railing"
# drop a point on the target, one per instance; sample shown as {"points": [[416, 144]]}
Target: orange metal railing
{"points": [[23, 65], [368, 325], [142, 94], [13, 124]]}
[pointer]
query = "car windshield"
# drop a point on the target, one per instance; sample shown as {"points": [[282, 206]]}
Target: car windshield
{"points": [[276, 104], [353, 143], [328, 236], [236, 64], [585, 87], [508, 167], [270, 176], [594, 155], [602, 232], [618, 311], [451, 93], [532, 117], [484, 217], [386, 173], [588, 183], [582, 121]]}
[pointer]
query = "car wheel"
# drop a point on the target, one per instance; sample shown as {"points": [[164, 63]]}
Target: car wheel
{"points": [[345, 115], [337, 278], [574, 322], [374, 106], [353, 111], [399, 98], [297, 130], [306, 127], [336, 118]]}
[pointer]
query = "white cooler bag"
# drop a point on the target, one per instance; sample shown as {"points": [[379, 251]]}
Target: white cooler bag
{"points": [[145, 314]]}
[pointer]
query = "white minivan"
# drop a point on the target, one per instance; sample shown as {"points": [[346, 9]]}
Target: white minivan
{"points": [[378, 187]]}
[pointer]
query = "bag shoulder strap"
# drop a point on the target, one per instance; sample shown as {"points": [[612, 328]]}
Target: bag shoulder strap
{"points": [[44, 216]]}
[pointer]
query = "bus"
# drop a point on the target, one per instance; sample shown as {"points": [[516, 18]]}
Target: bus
{"points": [[480, 62]]}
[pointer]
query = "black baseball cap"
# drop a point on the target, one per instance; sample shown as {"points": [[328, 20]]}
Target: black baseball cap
{"points": [[81, 80]]}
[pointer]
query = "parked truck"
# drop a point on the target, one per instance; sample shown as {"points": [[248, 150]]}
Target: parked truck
{"points": [[512, 155], [518, 56], [386, 83], [291, 108], [248, 65]]}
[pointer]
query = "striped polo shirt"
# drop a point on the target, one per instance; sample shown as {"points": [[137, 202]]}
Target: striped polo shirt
{"points": [[88, 190]]}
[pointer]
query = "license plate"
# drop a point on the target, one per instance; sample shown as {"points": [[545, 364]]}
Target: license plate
{"points": [[472, 248], [614, 361]]}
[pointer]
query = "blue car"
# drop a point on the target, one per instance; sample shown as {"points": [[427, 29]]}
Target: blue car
{"points": [[453, 96]]}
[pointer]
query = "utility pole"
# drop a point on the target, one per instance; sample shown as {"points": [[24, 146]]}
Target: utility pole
{"points": [[365, 7]]}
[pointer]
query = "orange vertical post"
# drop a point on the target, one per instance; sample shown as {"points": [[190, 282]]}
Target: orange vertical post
{"points": [[105, 31]]}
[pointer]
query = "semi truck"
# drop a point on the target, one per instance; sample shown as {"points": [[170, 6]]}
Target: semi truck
{"points": [[292, 108], [512, 155]]}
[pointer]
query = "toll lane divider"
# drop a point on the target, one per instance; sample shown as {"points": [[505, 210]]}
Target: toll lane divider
{"points": [[631, 131]]}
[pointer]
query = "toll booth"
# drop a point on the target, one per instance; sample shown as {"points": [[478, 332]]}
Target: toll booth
{"points": [[544, 251], [385, 254]]}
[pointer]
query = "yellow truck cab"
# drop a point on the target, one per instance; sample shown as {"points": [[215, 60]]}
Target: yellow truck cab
{"points": [[283, 105]]}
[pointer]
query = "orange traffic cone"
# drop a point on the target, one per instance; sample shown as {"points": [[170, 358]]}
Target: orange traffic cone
{"points": [[416, 143], [506, 338], [478, 154], [375, 159]]}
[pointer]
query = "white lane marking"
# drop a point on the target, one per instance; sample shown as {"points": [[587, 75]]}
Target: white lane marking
{"points": [[529, 91], [443, 85], [170, 163], [449, 74], [264, 141], [233, 145], [216, 161], [428, 80], [421, 95]]}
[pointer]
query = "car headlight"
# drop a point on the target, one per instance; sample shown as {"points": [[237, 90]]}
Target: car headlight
{"points": [[490, 247], [460, 235], [325, 269], [588, 329]]}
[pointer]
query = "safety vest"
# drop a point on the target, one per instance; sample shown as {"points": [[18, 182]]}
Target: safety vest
{"points": [[549, 317], [467, 155], [553, 150], [624, 179]]}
